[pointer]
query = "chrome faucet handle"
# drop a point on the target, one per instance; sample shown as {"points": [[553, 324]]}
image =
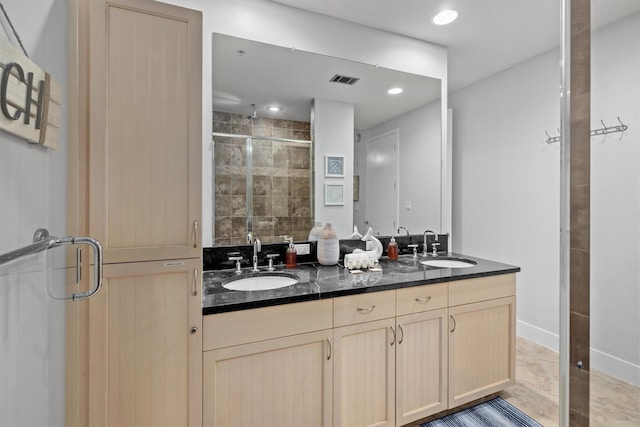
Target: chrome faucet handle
{"points": [[434, 246], [271, 257], [415, 250], [238, 259]]}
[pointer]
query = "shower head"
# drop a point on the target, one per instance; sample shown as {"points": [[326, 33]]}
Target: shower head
{"points": [[254, 115]]}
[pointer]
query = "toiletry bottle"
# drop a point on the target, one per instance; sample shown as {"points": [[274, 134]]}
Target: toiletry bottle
{"points": [[315, 231], [291, 256], [328, 246], [392, 249]]}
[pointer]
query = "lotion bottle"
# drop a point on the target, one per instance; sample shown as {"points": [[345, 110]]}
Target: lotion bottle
{"points": [[291, 255], [392, 249]]}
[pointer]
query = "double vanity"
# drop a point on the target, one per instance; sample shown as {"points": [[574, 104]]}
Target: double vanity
{"points": [[385, 347]]}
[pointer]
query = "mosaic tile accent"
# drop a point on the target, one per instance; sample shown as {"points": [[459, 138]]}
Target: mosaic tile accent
{"points": [[282, 178]]}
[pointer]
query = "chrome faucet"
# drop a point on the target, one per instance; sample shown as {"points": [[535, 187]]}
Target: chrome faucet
{"points": [[403, 228], [257, 247], [424, 245]]}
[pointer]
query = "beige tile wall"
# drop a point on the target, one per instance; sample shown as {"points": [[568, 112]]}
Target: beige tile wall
{"points": [[282, 171]]}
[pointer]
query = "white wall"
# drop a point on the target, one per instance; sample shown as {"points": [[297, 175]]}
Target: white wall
{"points": [[280, 25], [506, 191], [419, 183], [32, 195], [332, 123]]}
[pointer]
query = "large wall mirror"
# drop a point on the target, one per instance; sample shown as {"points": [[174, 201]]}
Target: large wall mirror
{"points": [[263, 163]]}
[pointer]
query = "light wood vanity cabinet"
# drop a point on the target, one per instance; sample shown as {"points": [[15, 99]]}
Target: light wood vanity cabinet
{"points": [[272, 366], [385, 358], [364, 360], [135, 144], [145, 345], [482, 337]]}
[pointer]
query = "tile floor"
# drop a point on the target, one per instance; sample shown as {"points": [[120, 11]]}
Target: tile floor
{"points": [[614, 403]]}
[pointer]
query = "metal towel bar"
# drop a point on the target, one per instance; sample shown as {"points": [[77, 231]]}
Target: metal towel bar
{"points": [[42, 242]]}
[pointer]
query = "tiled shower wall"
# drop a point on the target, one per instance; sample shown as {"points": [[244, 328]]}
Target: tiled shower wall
{"points": [[282, 202]]}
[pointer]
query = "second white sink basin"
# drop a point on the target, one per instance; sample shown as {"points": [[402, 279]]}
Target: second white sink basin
{"points": [[261, 282], [448, 263]]}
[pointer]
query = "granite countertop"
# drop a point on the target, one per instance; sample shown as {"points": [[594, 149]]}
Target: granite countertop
{"points": [[319, 282]]}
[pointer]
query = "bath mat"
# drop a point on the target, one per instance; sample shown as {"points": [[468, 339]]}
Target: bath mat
{"points": [[494, 413]]}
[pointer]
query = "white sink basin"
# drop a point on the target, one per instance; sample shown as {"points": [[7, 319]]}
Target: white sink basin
{"points": [[448, 263], [261, 282]]}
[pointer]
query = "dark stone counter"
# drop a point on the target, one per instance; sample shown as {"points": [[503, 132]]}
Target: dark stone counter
{"points": [[318, 282]]}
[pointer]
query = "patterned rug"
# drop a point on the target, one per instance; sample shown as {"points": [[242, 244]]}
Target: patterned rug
{"points": [[494, 413]]}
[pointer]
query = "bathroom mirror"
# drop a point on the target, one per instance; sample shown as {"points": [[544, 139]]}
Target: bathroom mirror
{"points": [[397, 136]]}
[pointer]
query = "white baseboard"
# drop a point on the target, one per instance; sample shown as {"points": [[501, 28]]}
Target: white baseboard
{"points": [[538, 335], [611, 365], [616, 367]]}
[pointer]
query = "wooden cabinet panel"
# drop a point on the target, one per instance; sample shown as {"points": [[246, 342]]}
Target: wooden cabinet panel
{"points": [[281, 382], [145, 356], [145, 130], [421, 365], [421, 298], [364, 308], [364, 374], [481, 289], [246, 326], [481, 349]]}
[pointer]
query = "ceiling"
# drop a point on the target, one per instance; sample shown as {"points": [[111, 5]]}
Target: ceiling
{"points": [[264, 75], [489, 35]]}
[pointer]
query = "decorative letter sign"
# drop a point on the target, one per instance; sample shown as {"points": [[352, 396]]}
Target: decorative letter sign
{"points": [[29, 98]]}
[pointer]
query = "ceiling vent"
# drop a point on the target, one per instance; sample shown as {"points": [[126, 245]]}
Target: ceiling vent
{"points": [[344, 79]]}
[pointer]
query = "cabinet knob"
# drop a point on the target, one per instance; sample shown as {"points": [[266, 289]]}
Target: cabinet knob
{"points": [[194, 329]]}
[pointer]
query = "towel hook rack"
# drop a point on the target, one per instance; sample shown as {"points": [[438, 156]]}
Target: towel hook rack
{"points": [[604, 130]]}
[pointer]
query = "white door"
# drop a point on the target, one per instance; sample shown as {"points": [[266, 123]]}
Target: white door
{"points": [[381, 187]]}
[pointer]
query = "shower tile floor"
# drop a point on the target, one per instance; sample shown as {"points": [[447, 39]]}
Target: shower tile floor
{"points": [[613, 402]]}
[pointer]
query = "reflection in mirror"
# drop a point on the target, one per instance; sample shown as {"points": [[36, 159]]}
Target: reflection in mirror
{"points": [[266, 183]]}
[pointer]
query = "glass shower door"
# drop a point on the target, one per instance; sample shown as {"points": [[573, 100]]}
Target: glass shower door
{"points": [[615, 216]]}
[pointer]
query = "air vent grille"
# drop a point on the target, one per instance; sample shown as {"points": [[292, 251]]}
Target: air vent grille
{"points": [[344, 79]]}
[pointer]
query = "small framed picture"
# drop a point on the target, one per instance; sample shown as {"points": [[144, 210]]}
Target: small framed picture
{"points": [[334, 194], [334, 166]]}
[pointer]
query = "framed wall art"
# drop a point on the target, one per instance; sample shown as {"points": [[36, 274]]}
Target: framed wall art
{"points": [[334, 194], [334, 166]]}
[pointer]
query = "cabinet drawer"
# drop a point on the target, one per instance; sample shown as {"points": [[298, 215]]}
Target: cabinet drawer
{"points": [[245, 326], [363, 308], [421, 298], [481, 289]]}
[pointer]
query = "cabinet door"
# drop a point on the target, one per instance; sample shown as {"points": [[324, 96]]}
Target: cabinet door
{"points": [[421, 365], [145, 346], [279, 382], [481, 349], [364, 374], [145, 130]]}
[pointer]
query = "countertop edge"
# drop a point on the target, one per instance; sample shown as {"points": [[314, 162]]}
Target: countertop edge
{"points": [[354, 291]]}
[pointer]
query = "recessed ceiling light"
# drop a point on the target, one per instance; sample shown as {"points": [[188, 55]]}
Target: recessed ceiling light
{"points": [[274, 108], [445, 17], [394, 91]]}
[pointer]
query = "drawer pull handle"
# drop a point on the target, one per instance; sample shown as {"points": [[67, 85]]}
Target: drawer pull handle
{"points": [[423, 300], [401, 334], [329, 348], [365, 310], [454, 323], [393, 341]]}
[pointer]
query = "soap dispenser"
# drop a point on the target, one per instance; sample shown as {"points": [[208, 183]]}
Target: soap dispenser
{"points": [[291, 255], [392, 249]]}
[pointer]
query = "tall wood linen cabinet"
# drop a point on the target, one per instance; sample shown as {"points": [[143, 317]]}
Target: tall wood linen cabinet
{"points": [[134, 351]]}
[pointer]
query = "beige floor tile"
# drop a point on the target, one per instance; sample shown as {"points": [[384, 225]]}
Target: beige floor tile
{"points": [[613, 403]]}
